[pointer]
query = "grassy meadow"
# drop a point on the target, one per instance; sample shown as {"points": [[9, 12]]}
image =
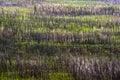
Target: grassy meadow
{"points": [[59, 40]]}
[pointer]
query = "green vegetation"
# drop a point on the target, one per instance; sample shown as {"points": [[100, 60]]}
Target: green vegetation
{"points": [[60, 41]]}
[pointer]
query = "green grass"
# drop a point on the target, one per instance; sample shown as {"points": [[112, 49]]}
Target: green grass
{"points": [[21, 42], [60, 76], [12, 9]]}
